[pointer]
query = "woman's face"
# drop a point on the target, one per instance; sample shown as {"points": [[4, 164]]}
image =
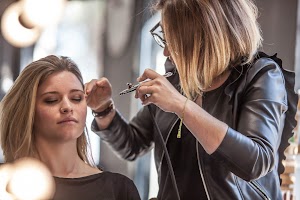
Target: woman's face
{"points": [[60, 110], [166, 51], [168, 54]]}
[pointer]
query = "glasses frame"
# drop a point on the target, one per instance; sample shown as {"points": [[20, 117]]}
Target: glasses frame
{"points": [[158, 39]]}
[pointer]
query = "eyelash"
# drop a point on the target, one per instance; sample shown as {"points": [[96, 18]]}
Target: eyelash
{"points": [[50, 101], [77, 99]]}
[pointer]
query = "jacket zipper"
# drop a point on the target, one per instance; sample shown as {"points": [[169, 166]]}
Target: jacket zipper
{"points": [[201, 172], [259, 190]]}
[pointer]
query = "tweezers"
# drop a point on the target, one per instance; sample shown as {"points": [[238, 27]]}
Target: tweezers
{"points": [[134, 87]]}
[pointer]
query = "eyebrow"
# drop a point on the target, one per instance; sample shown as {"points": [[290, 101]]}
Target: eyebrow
{"points": [[55, 92]]}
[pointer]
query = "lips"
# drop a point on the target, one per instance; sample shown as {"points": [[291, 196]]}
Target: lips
{"points": [[68, 120]]}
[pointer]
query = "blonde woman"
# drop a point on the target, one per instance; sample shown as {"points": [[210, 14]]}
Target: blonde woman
{"points": [[225, 115], [43, 116]]}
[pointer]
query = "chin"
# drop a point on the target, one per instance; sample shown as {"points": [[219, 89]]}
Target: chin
{"points": [[68, 135]]}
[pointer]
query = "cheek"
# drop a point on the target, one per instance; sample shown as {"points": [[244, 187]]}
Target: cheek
{"points": [[42, 116], [82, 112]]}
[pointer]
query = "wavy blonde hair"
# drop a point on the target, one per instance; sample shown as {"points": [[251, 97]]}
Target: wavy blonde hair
{"points": [[206, 37], [18, 110]]}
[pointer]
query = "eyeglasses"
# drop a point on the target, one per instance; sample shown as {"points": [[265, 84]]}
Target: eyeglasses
{"points": [[158, 38]]}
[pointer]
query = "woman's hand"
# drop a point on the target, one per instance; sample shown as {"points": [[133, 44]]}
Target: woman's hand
{"points": [[98, 94], [159, 91]]}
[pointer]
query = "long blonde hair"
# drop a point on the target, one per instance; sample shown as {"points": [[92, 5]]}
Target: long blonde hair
{"points": [[18, 109], [206, 37]]}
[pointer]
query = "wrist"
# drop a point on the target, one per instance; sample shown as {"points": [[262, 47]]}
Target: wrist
{"points": [[180, 106], [182, 119], [105, 112]]}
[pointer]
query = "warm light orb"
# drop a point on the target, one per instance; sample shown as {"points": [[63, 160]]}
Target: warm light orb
{"points": [[5, 173], [31, 180], [13, 31], [43, 13]]}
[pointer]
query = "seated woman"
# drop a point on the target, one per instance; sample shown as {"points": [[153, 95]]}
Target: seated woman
{"points": [[43, 116]]}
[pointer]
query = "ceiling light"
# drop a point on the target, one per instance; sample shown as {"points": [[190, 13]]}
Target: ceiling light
{"points": [[13, 31], [43, 12]]}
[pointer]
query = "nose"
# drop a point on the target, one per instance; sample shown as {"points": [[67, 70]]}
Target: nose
{"points": [[65, 110], [66, 107], [166, 52]]}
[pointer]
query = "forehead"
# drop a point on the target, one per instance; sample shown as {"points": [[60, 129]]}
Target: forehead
{"points": [[60, 81]]}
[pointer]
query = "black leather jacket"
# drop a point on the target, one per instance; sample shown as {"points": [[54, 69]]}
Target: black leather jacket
{"points": [[246, 164]]}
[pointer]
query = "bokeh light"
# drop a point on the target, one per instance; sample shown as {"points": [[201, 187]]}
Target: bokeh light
{"points": [[12, 29], [43, 13], [26, 179]]}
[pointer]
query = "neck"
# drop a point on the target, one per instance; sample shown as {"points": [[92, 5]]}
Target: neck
{"points": [[219, 80], [63, 160]]}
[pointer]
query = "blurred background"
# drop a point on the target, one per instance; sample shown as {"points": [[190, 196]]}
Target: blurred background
{"points": [[111, 38]]}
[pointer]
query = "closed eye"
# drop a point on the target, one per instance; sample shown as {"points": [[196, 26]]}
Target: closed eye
{"points": [[50, 101], [77, 99]]}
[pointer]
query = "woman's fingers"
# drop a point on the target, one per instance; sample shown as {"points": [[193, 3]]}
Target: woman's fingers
{"points": [[148, 74], [98, 93], [89, 86]]}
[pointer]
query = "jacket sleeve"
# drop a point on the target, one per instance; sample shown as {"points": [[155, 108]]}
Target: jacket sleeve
{"points": [[250, 151], [128, 139]]}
